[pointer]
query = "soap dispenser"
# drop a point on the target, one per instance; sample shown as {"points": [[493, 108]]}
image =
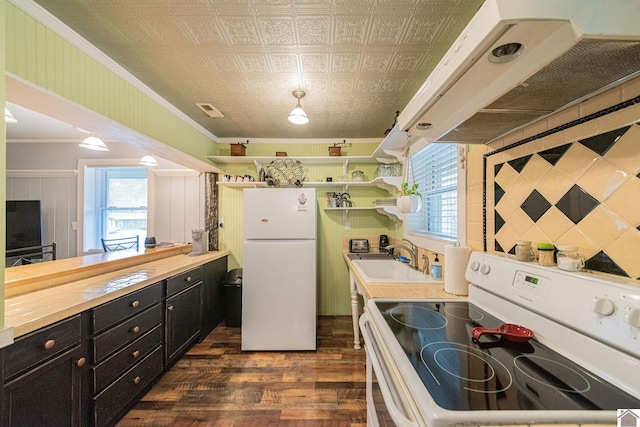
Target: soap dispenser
{"points": [[436, 269]]}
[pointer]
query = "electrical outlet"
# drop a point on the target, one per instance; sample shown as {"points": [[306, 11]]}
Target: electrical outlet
{"points": [[220, 222]]}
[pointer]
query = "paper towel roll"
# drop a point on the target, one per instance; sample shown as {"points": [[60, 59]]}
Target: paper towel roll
{"points": [[455, 265]]}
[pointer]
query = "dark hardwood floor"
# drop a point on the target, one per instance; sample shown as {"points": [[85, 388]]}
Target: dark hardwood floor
{"points": [[216, 384]]}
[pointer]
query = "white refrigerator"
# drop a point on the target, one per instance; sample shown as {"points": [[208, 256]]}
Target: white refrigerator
{"points": [[279, 269]]}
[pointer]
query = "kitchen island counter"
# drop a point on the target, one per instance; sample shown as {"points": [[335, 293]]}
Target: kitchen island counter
{"points": [[63, 288]]}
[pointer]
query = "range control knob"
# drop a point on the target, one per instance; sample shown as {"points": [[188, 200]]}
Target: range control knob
{"points": [[475, 265], [603, 306], [485, 269], [632, 317]]}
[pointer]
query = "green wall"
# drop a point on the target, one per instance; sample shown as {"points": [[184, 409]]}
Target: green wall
{"points": [[41, 57], [3, 165], [333, 276]]}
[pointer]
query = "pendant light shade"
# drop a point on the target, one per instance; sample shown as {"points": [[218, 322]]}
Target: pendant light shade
{"points": [[93, 143], [148, 160], [298, 116], [8, 117]]}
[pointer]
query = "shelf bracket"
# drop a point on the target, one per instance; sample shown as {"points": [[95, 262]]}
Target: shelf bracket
{"points": [[345, 166]]}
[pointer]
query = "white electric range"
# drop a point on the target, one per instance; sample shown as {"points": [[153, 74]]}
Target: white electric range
{"points": [[424, 368]]}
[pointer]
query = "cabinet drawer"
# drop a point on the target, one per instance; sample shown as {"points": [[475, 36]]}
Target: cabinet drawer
{"points": [[127, 331], [182, 281], [115, 365], [41, 345], [115, 311], [116, 397]]}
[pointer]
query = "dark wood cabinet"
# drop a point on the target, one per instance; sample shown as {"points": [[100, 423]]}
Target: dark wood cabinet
{"points": [[89, 369], [182, 315], [127, 351], [43, 377], [212, 296]]}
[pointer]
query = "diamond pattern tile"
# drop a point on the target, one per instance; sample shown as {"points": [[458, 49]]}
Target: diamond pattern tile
{"points": [[576, 204], [624, 251], [593, 182], [583, 193], [625, 152], [520, 163], [553, 155], [498, 192], [602, 225], [600, 144], [535, 170], [499, 222], [602, 262], [535, 205], [619, 201]]}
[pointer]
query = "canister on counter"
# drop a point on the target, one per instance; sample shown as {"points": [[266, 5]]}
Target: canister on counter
{"points": [[524, 251], [569, 259], [545, 254]]}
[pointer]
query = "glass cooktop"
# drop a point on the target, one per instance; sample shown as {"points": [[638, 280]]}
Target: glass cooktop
{"points": [[491, 373]]}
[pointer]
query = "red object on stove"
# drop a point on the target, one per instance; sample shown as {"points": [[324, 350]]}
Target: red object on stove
{"points": [[509, 331]]}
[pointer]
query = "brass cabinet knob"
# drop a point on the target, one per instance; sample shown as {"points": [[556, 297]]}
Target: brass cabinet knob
{"points": [[136, 380], [188, 278], [135, 329], [170, 308], [81, 362], [135, 304], [136, 354], [49, 344]]}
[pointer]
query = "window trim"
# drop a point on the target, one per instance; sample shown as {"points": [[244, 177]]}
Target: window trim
{"points": [[437, 245], [151, 185]]}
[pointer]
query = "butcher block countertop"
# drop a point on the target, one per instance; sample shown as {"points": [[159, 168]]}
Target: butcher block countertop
{"points": [[397, 290], [40, 294]]}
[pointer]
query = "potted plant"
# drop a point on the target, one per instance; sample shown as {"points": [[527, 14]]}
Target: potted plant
{"points": [[410, 200]]}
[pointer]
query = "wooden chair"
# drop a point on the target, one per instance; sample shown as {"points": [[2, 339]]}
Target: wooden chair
{"points": [[120, 244]]}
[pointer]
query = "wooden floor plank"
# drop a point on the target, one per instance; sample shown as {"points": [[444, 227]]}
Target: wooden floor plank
{"points": [[216, 384]]}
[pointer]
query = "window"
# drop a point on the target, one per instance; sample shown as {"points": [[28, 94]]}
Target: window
{"points": [[115, 204], [441, 183]]}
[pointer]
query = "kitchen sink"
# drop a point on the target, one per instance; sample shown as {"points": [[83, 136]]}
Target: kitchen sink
{"points": [[389, 271]]}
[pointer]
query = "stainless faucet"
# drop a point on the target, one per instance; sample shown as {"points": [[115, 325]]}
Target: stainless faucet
{"points": [[425, 264], [413, 262]]}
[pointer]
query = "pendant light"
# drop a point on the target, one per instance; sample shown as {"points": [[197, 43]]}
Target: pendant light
{"points": [[298, 116], [148, 160], [8, 117], [92, 142]]}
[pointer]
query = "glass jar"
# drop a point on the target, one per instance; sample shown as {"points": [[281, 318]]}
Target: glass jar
{"points": [[524, 251], [569, 259], [357, 176], [545, 254]]}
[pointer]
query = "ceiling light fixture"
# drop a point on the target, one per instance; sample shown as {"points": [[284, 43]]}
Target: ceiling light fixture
{"points": [[8, 117], [148, 160], [92, 142], [298, 116]]}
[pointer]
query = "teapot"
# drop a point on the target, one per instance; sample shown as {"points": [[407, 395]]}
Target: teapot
{"points": [[344, 200]]}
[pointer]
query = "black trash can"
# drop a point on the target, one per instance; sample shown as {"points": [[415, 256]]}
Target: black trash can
{"points": [[232, 286]]}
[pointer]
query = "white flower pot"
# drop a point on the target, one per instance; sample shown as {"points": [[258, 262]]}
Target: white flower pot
{"points": [[409, 204]]}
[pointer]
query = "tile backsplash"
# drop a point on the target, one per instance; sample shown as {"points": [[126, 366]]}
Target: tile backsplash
{"points": [[584, 192]]}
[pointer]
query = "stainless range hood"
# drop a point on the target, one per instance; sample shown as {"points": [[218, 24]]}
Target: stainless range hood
{"points": [[519, 60]]}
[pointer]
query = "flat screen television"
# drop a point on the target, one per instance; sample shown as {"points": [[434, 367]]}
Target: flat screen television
{"points": [[24, 225]]}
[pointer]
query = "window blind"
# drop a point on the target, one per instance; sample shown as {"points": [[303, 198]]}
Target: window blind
{"points": [[435, 171]]}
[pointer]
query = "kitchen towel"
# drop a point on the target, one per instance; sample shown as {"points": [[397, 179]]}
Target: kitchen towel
{"points": [[455, 265]]}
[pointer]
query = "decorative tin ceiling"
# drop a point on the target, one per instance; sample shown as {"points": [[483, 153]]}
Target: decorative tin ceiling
{"points": [[359, 61]]}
